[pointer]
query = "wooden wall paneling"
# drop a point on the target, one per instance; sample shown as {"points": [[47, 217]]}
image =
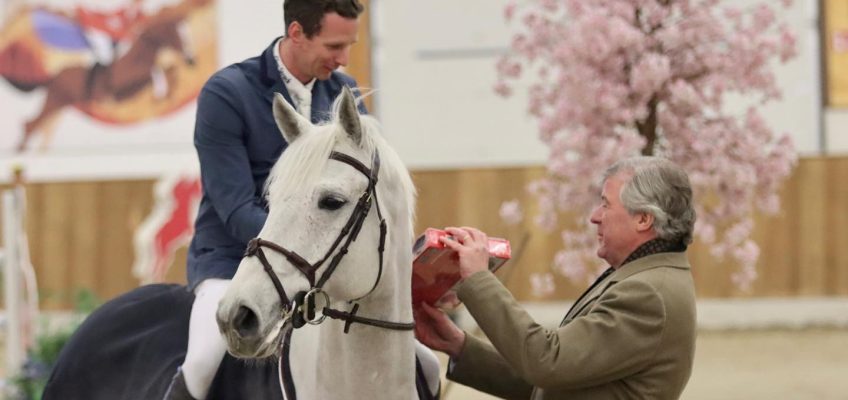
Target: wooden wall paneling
{"points": [[177, 271], [837, 227], [777, 236], [83, 257], [812, 223], [711, 274], [359, 66], [541, 247], [140, 206], [473, 197], [124, 208], [437, 198], [481, 193], [54, 235], [81, 234]]}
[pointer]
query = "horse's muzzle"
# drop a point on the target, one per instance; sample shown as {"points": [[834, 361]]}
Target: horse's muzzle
{"points": [[240, 326]]}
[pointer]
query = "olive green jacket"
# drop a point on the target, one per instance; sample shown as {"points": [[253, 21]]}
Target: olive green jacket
{"points": [[631, 337]]}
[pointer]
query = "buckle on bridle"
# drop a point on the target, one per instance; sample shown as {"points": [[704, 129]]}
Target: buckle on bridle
{"points": [[303, 308], [252, 247], [309, 300]]}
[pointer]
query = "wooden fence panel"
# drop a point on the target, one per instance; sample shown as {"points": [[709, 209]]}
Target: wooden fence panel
{"points": [[837, 226], [81, 234]]}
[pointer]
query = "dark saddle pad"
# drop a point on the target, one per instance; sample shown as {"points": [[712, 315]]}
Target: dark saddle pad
{"points": [[130, 348]]}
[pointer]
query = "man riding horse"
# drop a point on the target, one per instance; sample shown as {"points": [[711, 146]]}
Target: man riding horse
{"points": [[237, 143]]}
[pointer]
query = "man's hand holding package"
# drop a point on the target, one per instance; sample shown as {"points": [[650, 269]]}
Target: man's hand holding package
{"points": [[471, 245], [432, 325], [436, 331]]}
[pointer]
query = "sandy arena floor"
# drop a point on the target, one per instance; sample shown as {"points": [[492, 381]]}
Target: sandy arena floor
{"points": [[750, 365]]}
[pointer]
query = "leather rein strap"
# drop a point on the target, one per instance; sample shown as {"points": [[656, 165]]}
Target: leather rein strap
{"points": [[348, 235]]}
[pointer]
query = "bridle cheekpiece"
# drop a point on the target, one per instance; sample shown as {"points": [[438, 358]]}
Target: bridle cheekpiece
{"points": [[301, 309]]}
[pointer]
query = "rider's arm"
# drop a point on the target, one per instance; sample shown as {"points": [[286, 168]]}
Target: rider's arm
{"points": [[219, 137]]}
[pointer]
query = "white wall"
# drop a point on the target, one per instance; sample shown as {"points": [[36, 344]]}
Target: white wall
{"points": [[435, 70], [836, 126]]}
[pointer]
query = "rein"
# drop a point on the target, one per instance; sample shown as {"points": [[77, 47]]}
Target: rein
{"points": [[294, 309]]}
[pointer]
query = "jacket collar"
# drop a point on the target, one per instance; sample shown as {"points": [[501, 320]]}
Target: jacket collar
{"points": [[672, 260], [659, 260], [270, 75]]}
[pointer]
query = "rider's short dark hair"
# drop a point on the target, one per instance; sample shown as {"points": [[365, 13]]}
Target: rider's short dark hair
{"points": [[308, 13]]}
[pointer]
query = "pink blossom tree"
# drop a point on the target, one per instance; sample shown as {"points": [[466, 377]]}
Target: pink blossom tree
{"points": [[616, 78]]}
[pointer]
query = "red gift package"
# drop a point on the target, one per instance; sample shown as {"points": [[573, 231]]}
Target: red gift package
{"points": [[435, 268]]}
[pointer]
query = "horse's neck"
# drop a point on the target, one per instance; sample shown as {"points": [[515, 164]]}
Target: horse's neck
{"points": [[366, 363], [365, 359]]}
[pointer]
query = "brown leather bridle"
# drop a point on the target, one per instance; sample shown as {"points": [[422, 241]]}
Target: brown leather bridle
{"points": [[295, 309]]}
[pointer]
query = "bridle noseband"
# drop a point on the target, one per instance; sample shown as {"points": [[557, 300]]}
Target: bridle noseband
{"points": [[295, 310]]}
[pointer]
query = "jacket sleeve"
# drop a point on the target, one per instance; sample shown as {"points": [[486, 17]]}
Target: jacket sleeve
{"points": [[219, 137], [481, 367], [617, 338]]}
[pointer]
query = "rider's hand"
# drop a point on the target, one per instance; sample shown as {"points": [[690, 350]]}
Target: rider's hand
{"points": [[435, 330]]}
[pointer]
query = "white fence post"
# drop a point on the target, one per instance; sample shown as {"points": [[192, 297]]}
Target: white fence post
{"points": [[12, 281]]}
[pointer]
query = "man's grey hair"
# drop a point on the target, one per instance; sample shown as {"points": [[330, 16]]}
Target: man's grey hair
{"points": [[661, 188]]}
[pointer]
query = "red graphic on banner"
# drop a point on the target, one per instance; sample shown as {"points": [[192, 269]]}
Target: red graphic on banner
{"points": [[168, 227]]}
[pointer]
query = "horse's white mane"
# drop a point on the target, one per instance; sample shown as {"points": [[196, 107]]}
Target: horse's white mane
{"points": [[304, 159]]}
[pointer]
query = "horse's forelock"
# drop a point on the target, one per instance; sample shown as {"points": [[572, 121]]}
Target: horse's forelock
{"points": [[300, 166]]}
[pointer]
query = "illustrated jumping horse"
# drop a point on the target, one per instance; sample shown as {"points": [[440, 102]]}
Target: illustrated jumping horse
{"points": [[129, 74]]}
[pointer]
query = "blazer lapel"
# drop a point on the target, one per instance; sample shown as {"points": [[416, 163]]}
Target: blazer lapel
{"points": [[588, 299], [278, 88], [270, 74], [661, 260]]}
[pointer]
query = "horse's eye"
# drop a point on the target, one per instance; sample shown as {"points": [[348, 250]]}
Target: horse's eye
{"points": [[331, 203]]}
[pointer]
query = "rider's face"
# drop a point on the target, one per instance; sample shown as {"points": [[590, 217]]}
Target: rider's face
{"points": [[329, 49]]}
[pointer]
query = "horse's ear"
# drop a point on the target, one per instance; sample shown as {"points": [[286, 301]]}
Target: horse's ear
{"points": [[290, 122], [349, 115]]}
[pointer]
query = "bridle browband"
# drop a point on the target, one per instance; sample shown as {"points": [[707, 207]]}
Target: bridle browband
{"points": [[296, 312]]}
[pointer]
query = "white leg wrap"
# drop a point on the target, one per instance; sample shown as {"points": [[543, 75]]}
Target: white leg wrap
{"points": [[206, 346], [429, 365]]}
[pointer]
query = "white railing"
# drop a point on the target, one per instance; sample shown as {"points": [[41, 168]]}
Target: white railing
{"points": [[20, 290]]}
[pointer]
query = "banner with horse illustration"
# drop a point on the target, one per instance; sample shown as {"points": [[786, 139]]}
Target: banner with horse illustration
{"points": [[836, 52], [88, 88]]}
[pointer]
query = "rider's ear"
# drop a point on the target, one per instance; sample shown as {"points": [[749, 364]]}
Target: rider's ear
{"points": [[290, 122], [349, 115], [294, 31]]}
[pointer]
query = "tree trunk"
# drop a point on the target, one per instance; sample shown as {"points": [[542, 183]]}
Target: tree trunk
{"points": [[648, 128]]}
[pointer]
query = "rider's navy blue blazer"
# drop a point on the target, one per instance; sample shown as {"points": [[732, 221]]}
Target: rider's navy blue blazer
{"points": [[238, 142]]}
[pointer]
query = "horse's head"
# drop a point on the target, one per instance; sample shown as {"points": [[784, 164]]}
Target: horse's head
{"points": [[328, 196]]}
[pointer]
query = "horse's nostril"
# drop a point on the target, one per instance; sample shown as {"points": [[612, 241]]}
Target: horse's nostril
{"points": [[246, 323]]}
